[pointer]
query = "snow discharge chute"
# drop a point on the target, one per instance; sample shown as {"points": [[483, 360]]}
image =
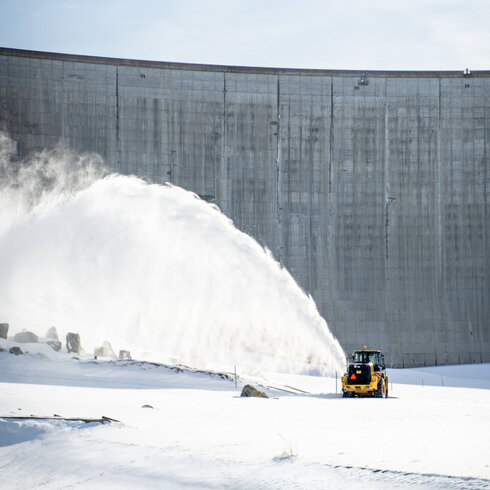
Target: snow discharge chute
{"points": [[150, 268]]}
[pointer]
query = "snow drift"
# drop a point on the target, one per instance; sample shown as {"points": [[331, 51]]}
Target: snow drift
{"points": [[150, 268]]}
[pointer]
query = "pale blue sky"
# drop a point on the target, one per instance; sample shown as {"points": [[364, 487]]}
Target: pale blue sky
{"points": [[349, 34]]}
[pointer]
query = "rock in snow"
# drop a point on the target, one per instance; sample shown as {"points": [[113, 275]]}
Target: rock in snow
{"points": [[16, 350], [105, 350], [26, 337], [52, 334], [73, 342], [249, 390], [54, 344], [124, 355]]}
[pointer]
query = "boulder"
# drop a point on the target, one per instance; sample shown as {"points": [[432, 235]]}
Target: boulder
{"points": [[249, 390], [4, 330], [52, 334], [16, 350], [26, 337], [54, 344], [73, 342], [105, 350], [124, 355], [108, 350]]}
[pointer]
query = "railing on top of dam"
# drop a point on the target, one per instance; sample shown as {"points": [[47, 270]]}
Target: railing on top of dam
{"points": [[240, 69]]}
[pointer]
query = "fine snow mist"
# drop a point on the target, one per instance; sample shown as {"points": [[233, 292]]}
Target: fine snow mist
{"points": [[150, 268]]}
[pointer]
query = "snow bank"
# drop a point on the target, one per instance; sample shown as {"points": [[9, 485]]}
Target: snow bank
{"points": [[15, 431], [150, 268]]}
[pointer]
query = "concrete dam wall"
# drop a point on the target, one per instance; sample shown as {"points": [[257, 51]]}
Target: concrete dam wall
{"points": [[370, 188]]}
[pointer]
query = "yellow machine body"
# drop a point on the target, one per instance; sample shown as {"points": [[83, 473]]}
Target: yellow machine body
{"points": [[365, 375]]}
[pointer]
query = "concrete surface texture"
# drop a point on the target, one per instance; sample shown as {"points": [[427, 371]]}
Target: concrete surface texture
{"points": [[371, 188]]}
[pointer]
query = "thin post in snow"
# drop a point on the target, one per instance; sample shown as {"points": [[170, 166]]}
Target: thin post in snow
{"points": [[235, 376], [335, 382]]}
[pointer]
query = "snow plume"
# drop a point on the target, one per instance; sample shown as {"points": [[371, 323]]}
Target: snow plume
{"points": [[150, 268], [41, 180]]}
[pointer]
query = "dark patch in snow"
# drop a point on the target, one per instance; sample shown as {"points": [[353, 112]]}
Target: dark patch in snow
{"points": [[16, 430]]}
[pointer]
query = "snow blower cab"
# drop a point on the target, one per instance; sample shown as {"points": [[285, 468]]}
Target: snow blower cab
{"points": [[365, 375]]}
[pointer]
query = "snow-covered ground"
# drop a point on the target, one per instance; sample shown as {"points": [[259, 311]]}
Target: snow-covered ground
{"points": [[199, 433], [157, 271]]}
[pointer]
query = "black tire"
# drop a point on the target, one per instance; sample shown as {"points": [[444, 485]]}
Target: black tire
{"points": [[379, 391], [386, 392]]}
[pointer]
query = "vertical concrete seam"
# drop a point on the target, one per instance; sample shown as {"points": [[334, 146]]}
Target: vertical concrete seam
{"points": [[387, 191], [170, 130], [310, 214], [173, 151], [440, 262], [330, 214], [330, 139], [486, 260], [223, 174], [386, 177], [63, 103], [118, 148], [278, 173]]}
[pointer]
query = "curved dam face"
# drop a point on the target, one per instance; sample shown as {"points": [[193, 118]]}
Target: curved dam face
{"points": [[372, 189]]}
